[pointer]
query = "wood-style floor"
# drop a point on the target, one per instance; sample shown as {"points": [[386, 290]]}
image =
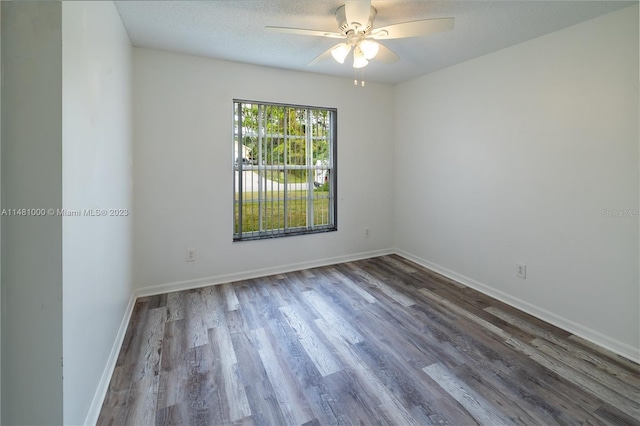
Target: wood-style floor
{"points": [[378, 341]]}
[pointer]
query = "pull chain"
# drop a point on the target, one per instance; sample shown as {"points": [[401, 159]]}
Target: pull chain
{"points": [[355, 75]]}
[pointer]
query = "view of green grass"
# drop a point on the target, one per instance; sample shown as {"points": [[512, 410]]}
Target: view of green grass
{"points": [[293, 176], [273, 210]]}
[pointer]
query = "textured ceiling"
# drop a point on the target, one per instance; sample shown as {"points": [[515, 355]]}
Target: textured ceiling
{"points": [[234, 30]]}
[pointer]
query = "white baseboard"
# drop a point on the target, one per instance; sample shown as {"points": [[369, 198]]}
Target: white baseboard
{"points": [[103, 385], [586, 333], [593, 336], [255, 273]]}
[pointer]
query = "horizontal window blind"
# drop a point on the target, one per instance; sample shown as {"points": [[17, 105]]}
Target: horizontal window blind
{"points": [[284, 166]]}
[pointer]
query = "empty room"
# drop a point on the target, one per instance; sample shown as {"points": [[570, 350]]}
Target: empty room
{"points": [[320, 212]]}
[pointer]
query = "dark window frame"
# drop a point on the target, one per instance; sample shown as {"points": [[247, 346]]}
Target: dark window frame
{"points": [[315, 173]]}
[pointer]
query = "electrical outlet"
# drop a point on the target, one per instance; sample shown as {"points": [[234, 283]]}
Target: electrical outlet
{"points": [[367, 232], [521, 270], [191, 255]]}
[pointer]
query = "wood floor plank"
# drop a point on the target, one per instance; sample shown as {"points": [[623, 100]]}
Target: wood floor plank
{"points": [[338, 273], [430, 341], [341, 298], [332, 317], [460, 311], [294, 407], [204, 390], [213, 307], [383, 287], [420, 398], [611, 397], [236, 396], [611, 415], [396, 412], [631, 408], [376, 341], [356, 407], [613, 357], [516, 384], [527, 384], [131, 342], [144, 387], [315, 348], [230, 297], [510, 401], [399, 264], [114, 407], [608, 380], [303, 368], [248, 300], [175, 306], [173, 366], [196, 330], [468, 398], [631, 378], [265, 408]]}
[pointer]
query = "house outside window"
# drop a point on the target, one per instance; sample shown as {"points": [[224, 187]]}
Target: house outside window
{"points": [[284, 166]]}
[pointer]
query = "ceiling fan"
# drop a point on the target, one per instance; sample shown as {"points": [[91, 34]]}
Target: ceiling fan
{"points": [[355, 25]]}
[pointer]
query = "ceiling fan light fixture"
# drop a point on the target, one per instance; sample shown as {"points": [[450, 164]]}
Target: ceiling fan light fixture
{"points": [[359, 61], [379, 34], [369, 48], [340, 52], [355, 19]]}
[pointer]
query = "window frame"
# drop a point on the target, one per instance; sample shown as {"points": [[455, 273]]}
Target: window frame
{"points": [[238, 166]]}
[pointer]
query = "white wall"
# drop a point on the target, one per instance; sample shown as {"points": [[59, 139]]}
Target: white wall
{"points": [[0, 226], [183, 167], [514, 157], [97, 174], [31, 246]]}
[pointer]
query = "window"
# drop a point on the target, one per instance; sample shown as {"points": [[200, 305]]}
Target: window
{"points": [[284, 170]]}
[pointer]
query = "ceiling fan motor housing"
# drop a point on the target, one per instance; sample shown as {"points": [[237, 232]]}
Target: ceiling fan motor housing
{"points": [[346, 27]]}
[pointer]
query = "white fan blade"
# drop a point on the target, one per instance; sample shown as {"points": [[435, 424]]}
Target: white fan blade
{"points": [[386, 55], [323, 56], [357, 11], [413, 28], [301, 31]]}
